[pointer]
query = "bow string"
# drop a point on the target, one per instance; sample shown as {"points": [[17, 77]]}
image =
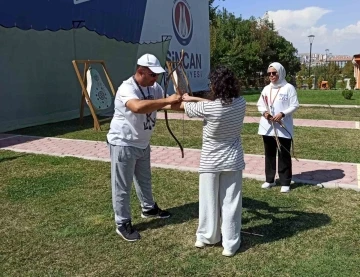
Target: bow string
{"points": [[282, 125], [167, 81]]}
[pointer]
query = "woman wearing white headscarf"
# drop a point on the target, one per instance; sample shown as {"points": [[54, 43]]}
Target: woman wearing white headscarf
{"points": [[277, 102]]}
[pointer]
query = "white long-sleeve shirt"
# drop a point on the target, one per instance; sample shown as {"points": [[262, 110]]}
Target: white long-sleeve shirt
{"points": [[279, 100]]}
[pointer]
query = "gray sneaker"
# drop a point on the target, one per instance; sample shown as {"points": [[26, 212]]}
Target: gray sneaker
{"points": [[127, 232], [155, 212]]}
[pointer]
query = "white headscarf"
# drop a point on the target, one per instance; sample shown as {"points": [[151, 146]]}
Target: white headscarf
{"points": [[281, 72]]}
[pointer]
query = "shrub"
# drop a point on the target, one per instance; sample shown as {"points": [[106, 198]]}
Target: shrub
{"points": [[347, 94]]}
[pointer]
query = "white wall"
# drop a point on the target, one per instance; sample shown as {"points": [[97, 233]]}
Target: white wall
{"points": [[162, 18]]}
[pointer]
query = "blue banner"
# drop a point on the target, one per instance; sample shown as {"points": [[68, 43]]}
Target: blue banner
{"points": [[118, 19]]}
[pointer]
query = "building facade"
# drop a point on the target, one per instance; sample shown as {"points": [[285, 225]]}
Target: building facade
{"points": [[322, 59]]}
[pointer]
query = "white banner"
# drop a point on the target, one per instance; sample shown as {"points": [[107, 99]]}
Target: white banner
{"points": [[187, 22]]}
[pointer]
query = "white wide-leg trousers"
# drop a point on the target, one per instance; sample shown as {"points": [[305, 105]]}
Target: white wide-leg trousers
{"points": [[220, 208]]}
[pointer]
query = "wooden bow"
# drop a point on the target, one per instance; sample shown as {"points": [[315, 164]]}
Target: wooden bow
{"points": [[175, 79], [276, 137], [265, 99]]}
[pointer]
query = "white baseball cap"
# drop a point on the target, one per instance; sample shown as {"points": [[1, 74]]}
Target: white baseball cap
{"points": [[151, 62]]}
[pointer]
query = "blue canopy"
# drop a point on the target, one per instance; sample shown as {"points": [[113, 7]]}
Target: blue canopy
{"points": [[118, 19]]}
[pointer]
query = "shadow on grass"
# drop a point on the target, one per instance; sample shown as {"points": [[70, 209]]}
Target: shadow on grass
{"points": [[284, 223], [59, 128], [13, 156], [320, 175], [300, 184], [34, 133], [7, 159], [180, 214]]}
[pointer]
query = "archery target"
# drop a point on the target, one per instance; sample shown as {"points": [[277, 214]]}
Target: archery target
{"points": [[98, 93]]}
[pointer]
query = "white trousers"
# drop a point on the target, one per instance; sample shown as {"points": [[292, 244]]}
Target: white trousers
{"points": [[220, 208]]}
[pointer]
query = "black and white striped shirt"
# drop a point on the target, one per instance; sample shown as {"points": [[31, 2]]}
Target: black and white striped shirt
{"points": [[222, 147]]}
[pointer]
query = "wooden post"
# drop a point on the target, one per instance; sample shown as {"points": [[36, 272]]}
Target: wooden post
{"points": [[84, 93]]}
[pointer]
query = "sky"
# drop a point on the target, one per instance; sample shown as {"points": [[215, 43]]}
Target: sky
{"points": [[334, 23]]}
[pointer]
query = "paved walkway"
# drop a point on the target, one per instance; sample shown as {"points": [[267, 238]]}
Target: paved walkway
{"points": [[327, 174], [297, 122]]}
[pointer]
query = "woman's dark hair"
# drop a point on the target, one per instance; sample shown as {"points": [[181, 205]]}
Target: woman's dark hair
{"points": [[224, 85]]}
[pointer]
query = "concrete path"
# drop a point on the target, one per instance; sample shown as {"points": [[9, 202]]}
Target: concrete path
{"points": [[297, 122], [323, 173]]}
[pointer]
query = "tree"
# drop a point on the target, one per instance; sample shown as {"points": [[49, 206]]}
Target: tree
{"points": [[342, 84], [319, 81], [309, 82], [286, 55], [303, 70], [327, 71], [352, 82], [332, 82], [348, 69], [212, 10], [333, 69], [249, 46], [299, 81]]}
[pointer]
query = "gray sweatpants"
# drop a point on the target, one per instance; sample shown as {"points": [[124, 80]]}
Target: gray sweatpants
{"points": [[220, 208], [130, 164]]}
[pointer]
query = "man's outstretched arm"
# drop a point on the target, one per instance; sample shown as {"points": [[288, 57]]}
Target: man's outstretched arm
{"points": [[148, 106]]}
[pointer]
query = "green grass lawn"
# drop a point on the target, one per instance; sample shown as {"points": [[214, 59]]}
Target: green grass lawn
{"points": [[323, 97], [340, 145], [318, 113], [57, 220]]}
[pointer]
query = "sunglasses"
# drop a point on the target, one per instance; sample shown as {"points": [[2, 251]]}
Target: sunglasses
{"points": [[153, 75], [272, 73]]}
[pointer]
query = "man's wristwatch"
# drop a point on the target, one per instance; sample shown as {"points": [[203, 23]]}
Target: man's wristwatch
{"points": [[283, 115]]}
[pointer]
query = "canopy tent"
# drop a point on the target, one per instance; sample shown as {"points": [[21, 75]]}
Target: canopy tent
{"points": [[39, 41], [108, 18]]}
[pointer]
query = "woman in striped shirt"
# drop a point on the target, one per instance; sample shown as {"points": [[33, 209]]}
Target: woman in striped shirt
{"points": [[221, 162]]}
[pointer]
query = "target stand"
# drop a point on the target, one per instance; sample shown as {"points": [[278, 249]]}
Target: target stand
{"points": [[93, 90]]}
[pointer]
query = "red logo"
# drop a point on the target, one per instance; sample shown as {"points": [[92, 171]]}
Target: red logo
{"points": [[182, 22]]}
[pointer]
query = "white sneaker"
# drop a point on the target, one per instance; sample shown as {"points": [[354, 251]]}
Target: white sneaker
{"points": [[285, 189], [228, 253], [200, 244], [267, 185]]}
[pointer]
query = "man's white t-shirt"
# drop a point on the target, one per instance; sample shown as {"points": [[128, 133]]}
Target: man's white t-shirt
{"points": [[128, 128]]}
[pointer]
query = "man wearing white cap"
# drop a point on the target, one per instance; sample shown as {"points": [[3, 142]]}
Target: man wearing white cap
{"points": [[136, 102]]}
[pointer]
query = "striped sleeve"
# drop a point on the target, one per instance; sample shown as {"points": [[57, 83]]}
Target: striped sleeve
{"points": [[195, 109]]}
